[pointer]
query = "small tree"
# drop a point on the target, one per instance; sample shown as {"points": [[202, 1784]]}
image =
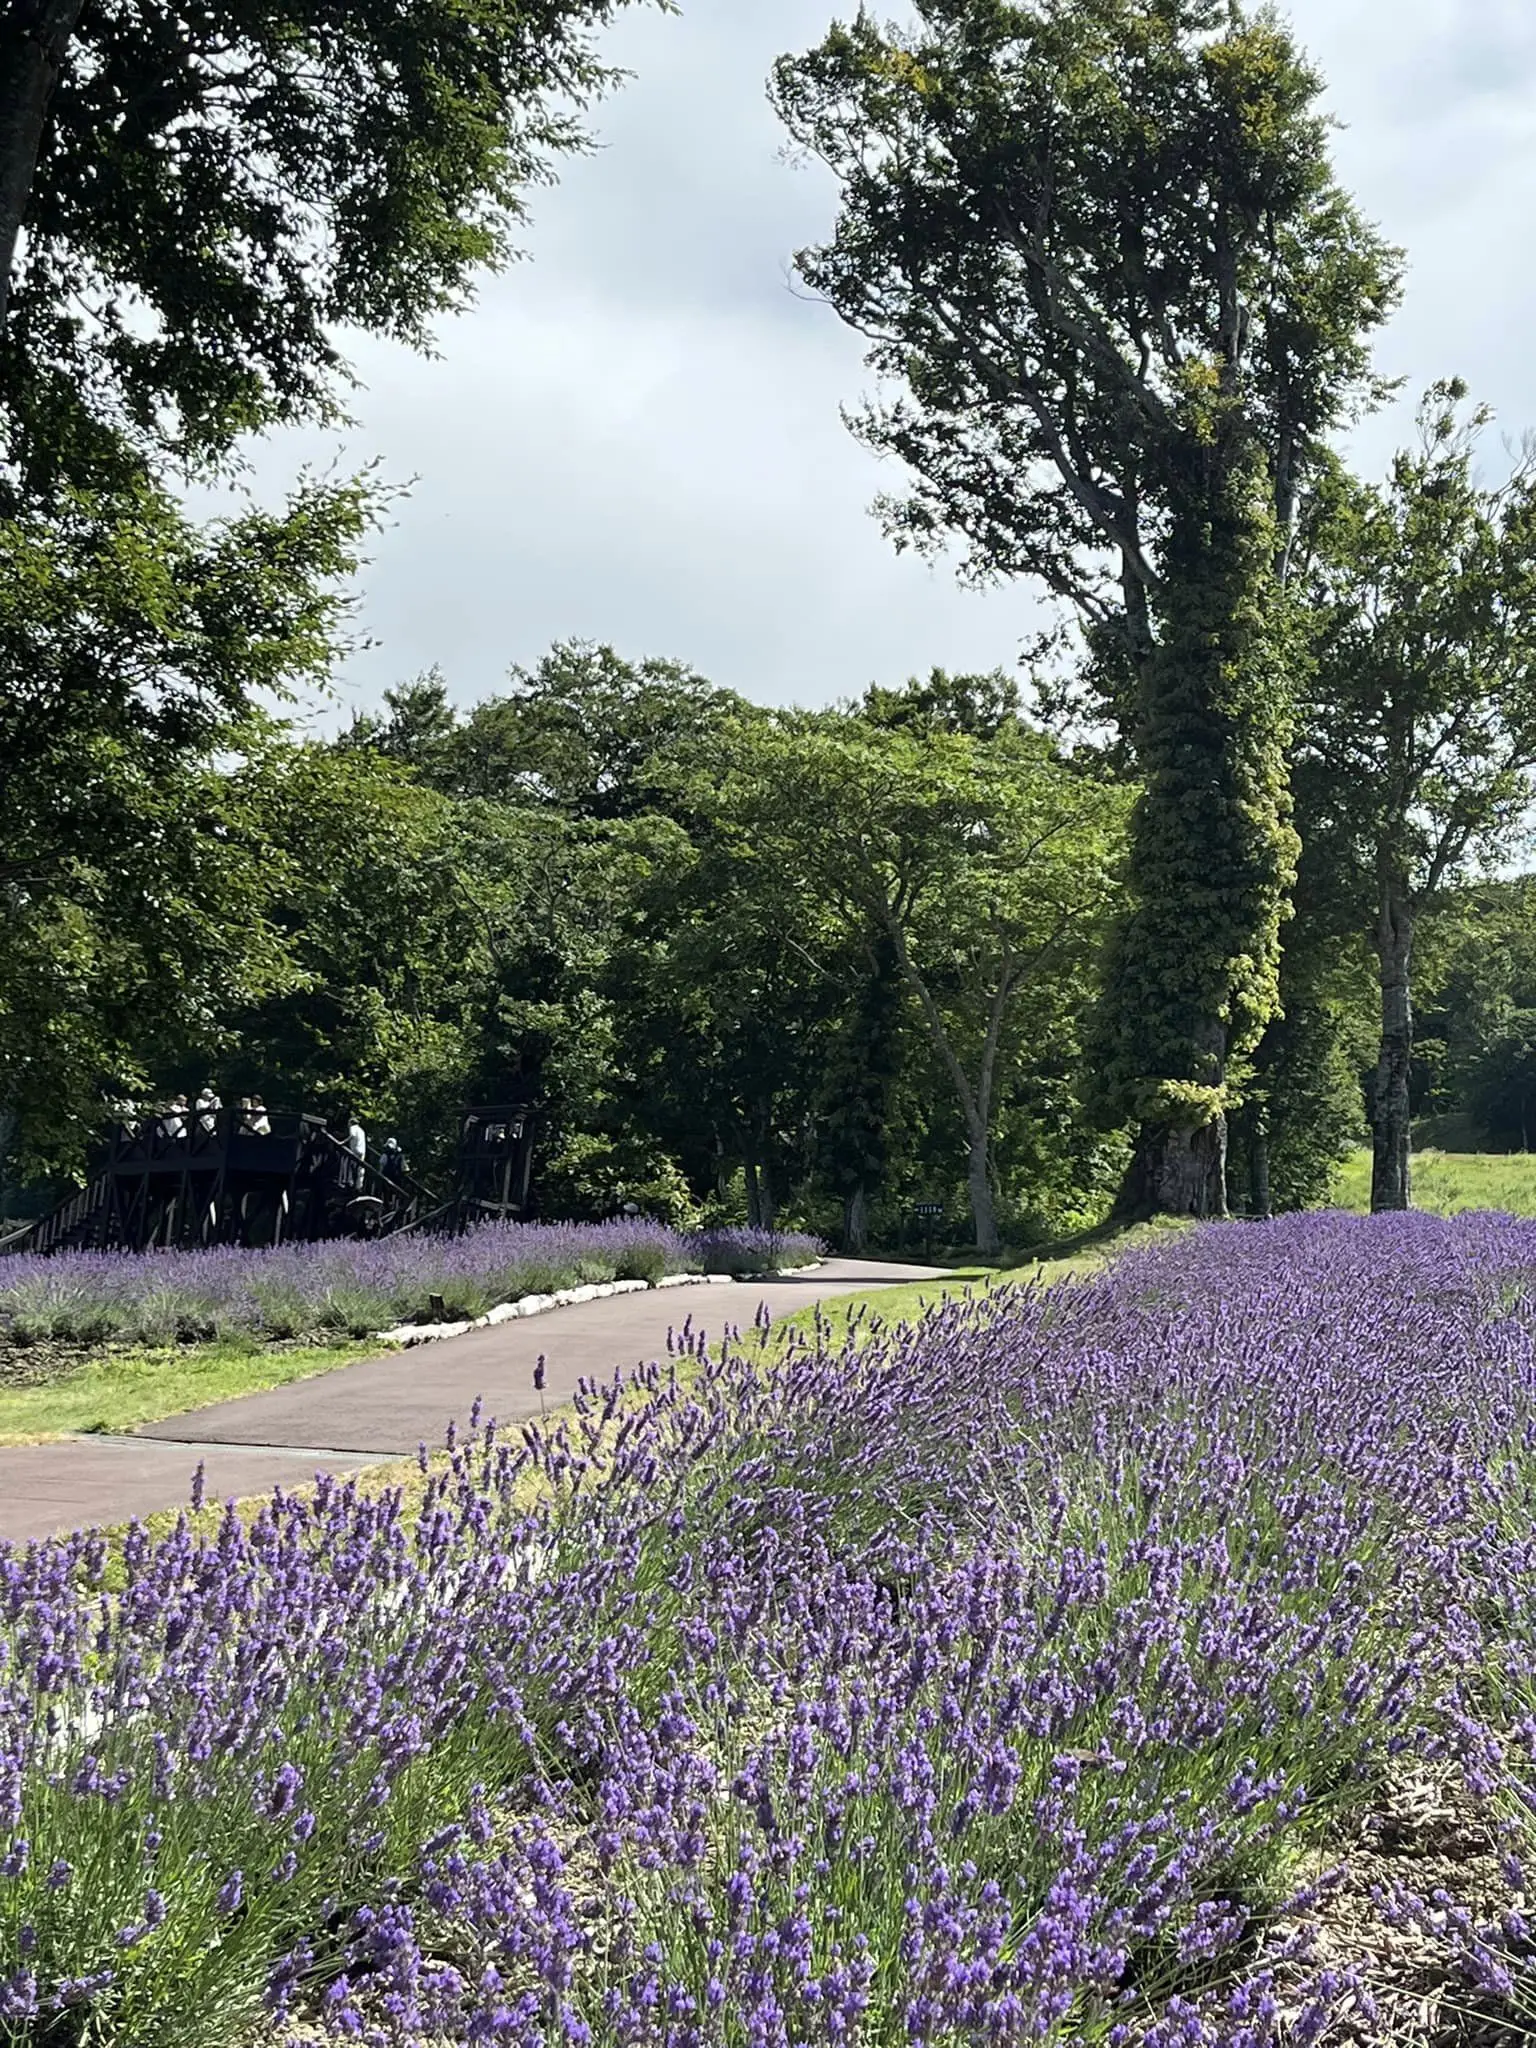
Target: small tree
{"points": [[1422, 718], [985, 866]]}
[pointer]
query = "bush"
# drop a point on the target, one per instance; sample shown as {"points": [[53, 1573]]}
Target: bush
{"points": [[646, 1262]]}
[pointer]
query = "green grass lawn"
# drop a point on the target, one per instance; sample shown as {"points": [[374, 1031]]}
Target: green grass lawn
{"points": [[121, 1390], [1446, 1182]]}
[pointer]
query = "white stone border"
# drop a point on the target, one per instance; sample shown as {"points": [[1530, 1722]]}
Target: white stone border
{"points": [[408, 1334]]}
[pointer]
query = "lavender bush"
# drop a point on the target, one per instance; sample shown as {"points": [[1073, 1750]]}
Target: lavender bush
{"points": [[983, 1681], [303, 1290]]}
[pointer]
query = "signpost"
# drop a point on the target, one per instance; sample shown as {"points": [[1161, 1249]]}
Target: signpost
{"points": [[929, 1212]]}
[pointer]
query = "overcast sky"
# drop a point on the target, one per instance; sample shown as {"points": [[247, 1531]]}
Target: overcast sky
{"points": [[634, 436]]}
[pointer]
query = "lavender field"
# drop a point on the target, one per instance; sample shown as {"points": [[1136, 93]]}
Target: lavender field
{"points": [[1151, 1660], [302, 1290]]}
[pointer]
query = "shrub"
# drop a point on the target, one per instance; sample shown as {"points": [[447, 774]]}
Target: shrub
{"points": [[641, 1262]]}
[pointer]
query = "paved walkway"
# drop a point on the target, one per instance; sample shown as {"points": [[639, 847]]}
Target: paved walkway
{"points": [[384, 1407]]}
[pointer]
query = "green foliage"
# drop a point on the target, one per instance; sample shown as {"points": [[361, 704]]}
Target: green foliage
{"points": [[137, 860], [1422, 706], [220, 191], [1194, 969], [589, 1176], [1422, 716], [1102, 248], [586, 732], [1304, 1104], [978, 705], [982, 867], [1475, 1029], [863, 1063]]}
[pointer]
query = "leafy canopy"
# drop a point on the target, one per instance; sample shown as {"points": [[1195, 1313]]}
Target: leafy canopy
{"points": [[222, 191]]}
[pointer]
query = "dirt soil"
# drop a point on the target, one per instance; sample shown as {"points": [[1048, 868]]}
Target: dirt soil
{"points": [[1427, 1837]]}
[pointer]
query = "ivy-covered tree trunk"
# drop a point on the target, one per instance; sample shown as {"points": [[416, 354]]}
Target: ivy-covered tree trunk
{"points": [[1193, 972], [1389, 1105]]}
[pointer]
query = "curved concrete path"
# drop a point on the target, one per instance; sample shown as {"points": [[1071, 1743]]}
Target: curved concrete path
{"points": [[384, 1407]]}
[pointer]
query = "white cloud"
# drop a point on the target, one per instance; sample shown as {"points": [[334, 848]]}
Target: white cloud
{"points": [[634, 436]]}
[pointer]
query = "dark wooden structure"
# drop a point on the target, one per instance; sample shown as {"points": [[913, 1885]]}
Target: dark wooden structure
{"points": [[190, 1178], [217, 1177], [494, 1164]]}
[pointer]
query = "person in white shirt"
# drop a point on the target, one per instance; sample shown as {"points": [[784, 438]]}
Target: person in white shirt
{"points": [[174, 1123], [357, 1145], [259, 1122], [208, 1107]]}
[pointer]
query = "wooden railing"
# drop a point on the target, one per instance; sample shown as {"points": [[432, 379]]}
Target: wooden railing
{"points": [[54, 1228]]}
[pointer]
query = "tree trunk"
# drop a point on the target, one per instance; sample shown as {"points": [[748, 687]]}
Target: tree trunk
{"points": [[1180, 1169], [1389, 1107], [34, 38], [1192, 1170], [1176, 1171], [761, 1210], [856, 1219], [979, 1180]]}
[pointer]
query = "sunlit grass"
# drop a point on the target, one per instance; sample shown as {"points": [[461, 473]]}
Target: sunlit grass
{"points": [[1449, 1182], [908, 1300], [119, 1391]]}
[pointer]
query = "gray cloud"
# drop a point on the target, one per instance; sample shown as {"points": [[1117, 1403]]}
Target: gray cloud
{"points": [[634, 435]]}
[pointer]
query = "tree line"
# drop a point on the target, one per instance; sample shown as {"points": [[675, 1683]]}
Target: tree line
{"points": [[1105, 940]]}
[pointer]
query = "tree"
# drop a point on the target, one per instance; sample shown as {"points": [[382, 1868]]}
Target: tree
{"points": [[979, 705], [1100, 244], [589, 733], [420, 731], [727, 995], [864, 1063], [1423, 702], [985, 866], [194, 201], [1474, 986], [135, 867]]}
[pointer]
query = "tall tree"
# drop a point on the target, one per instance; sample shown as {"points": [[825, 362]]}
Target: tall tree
{"points": [[1423, 711], [1101, 244], [195, 201]]}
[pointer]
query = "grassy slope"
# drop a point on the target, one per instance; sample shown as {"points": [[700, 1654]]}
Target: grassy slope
{"points": [[1446, 1182], [124, 1389]]}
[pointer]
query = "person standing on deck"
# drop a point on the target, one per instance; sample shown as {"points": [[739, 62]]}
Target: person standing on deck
{"points": [[357, 1146]]}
